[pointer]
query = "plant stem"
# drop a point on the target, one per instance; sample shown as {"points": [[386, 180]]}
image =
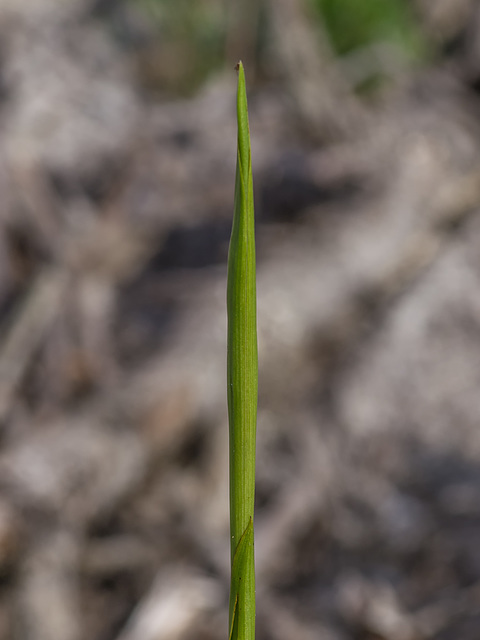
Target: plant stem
{"points": [[242, 381]]}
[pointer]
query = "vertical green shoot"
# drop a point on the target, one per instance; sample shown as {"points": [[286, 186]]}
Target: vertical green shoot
{"points": [[242, 380]]}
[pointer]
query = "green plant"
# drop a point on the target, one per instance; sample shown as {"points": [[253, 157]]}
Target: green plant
{"points": [[242, 382], [187, 43], [375, 40], [352, 24]]}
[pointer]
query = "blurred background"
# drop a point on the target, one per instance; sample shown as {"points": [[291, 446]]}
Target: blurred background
{"points": [[117, 160]]}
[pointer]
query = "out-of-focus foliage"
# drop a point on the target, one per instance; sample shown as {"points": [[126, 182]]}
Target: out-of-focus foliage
{"points": [[190, 41], [352, 24]]}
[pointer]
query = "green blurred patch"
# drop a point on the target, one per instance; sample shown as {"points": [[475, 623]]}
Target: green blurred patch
{"points": [[356, 24], [188, 43]]}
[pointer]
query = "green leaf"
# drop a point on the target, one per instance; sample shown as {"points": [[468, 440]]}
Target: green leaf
{"points": [[242, 574], [242, 381]]}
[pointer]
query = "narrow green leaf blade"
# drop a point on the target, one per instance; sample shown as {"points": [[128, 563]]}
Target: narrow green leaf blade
{"points": [[242, 376]]}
